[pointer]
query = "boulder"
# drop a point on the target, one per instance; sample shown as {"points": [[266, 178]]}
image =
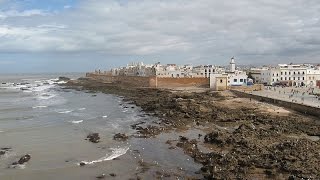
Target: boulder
{"points": [[120, 137], [94, 137], [62, 78], [23, 159]]}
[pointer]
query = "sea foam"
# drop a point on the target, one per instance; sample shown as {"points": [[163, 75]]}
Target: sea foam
{"points": [[36, 107], [116, 152], [76, 122]]}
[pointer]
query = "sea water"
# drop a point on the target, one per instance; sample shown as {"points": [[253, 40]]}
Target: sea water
{"points": [[38, 116]]}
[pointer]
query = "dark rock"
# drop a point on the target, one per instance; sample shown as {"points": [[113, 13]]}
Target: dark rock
{"points": [[22, 160], [94, 137], [102, 176], [216, 137], [113, 174], [182, 138], [2, 153], [82, 164], [64, 78], [120, 137]]}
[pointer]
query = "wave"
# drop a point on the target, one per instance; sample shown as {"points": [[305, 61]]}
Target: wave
{"points": [[116, 152], [104, 116], [65, 112], [46, 96], [76, 122], [81, 109], [36, 107]]}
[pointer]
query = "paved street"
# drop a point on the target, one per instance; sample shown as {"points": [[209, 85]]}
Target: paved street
{"points": [[301, 95]]}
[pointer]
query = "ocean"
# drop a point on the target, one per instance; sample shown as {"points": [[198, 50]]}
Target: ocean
{"points": [[41, 118]]}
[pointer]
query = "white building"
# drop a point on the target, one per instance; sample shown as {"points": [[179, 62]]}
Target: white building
{"points": [[234, 77], [287, 74], [238, 78]]}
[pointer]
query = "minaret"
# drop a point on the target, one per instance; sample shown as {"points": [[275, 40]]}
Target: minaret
{"points": [[232, 65]]}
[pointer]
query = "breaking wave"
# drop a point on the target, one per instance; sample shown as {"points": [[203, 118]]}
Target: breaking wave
{"points": [[116, 152], [76, 122]]}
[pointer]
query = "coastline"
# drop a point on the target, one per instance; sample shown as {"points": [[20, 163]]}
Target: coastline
{"points": [[230, 137]]}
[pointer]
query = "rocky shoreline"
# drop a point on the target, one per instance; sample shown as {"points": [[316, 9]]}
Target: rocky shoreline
{"points": [[239, 139]]}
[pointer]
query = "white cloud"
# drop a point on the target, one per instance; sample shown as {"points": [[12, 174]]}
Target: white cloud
{"points": [[199, 29]]}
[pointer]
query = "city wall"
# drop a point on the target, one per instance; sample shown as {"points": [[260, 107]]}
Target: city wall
{"points": [[154, 82], [255, 87], [179, 82], [305, 109]]}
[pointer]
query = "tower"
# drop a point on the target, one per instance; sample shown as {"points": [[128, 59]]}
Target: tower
{"points": [[232, 65]]}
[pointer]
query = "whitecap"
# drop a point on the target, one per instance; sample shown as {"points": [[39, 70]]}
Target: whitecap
{"points": [[65, 112], [61, 82], [36, 107], [76, 122], [116, 152], [81, 109], [104, 116], [46, 96]]}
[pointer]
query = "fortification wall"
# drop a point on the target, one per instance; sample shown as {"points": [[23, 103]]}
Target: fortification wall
{"points": [[255, 87], [138, 81], [181, 82]]}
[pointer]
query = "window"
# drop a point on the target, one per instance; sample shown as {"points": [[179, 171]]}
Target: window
{"points": [[285, 73], [294, 72], [221, 81], [277, 74], [303, 72], [294, 78], [289, 78], [298, 72], [298, 78], [281, 78], [285, 78], [272, 80], [303, 78], [245, 80], [289, 73], [241, 80], [235, 80], [281, 73]]}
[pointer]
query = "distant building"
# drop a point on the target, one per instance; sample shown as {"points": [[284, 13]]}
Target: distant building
{"points": [[287, 74]]}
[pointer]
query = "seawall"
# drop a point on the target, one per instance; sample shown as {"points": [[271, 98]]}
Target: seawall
{"points": [[302, 108]]}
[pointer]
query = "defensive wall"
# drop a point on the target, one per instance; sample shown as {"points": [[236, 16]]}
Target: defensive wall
{"points": [[302, 108], [155, 82], [255, 87]]}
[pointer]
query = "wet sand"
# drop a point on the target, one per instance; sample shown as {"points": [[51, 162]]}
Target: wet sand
{"points": [[229, 137]]}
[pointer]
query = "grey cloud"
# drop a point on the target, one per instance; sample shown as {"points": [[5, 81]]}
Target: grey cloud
{"points": [[202, 29]]}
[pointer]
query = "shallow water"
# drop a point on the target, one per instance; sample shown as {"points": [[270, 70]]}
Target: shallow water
{"points": [[40, 118]]}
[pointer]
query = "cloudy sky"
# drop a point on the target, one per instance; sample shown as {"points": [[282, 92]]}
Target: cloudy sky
{"points": [[81, 35]]}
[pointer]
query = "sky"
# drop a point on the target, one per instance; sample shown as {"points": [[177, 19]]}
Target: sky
{"points": [[84, 35]]}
